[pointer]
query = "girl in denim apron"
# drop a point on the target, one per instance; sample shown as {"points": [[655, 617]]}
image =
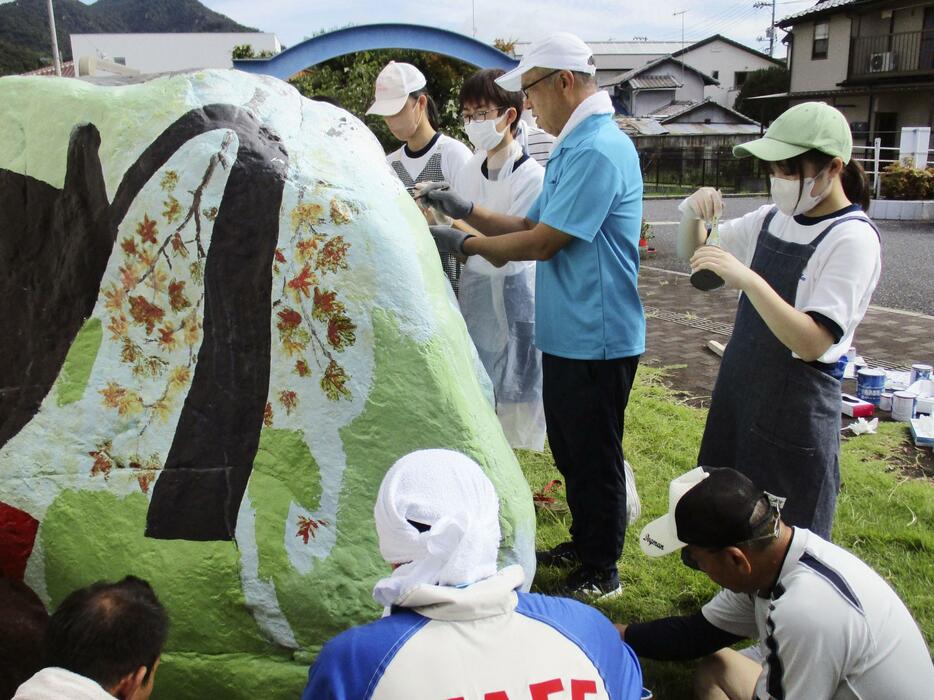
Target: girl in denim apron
{"points": [[806, 268]]}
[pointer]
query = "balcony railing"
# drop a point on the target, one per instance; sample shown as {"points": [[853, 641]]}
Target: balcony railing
{"points": [[884, 55]]}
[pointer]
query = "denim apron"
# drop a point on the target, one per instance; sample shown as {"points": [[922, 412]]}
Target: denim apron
{"points": [[774, 417]]}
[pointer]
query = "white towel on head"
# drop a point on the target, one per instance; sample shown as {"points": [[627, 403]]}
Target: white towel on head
{"points": [[449, 493]]}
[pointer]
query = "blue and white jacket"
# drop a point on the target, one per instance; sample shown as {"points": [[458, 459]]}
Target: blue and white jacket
{"points": [[486, 641]]}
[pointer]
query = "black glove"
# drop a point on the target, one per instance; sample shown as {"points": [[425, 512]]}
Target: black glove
{"points": [[449, 239], [442, 197]]}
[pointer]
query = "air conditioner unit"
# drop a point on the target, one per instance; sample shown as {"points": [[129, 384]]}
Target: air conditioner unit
{"points": [[882, 62]]}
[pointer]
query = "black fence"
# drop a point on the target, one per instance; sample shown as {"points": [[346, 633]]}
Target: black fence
{"points": [[682, 170]]}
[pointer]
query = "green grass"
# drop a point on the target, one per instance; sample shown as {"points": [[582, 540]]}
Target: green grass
{"points": [[882, 516]]}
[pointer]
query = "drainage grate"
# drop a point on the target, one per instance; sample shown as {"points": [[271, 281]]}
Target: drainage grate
{"points": [[690, 320], [704, 324]]}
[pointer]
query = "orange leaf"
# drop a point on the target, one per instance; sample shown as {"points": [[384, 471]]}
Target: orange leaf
{"points": [[301, 284], [144, 313], [147, 229]]}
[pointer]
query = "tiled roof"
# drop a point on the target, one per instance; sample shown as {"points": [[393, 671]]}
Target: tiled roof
{"points": [[68, 70], [821, 7], [654, 82]]}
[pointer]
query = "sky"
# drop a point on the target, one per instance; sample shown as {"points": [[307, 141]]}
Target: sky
{"points": [[525, 20]]}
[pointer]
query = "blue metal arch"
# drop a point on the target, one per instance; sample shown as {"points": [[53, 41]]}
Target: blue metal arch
{"points": [[376, 36]]}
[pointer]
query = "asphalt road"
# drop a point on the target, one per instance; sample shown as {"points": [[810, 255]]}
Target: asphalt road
{"points": [[907, 281]]}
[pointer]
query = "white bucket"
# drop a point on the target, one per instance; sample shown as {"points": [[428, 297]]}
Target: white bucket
{"points": [[903, 406]]}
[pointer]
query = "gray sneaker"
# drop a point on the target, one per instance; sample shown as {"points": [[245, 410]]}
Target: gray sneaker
{"points": [[588, 584]]}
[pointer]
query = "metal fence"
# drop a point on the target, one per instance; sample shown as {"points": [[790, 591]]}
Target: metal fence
{"points": [[682, 170]]}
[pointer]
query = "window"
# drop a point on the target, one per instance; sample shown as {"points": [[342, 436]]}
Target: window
{"points": [[120, 59], [739, 77], [821, 38], [716, 75]]}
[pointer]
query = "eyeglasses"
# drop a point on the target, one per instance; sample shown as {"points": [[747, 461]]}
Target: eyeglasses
{"points": [[525, 89], [481, 115]]}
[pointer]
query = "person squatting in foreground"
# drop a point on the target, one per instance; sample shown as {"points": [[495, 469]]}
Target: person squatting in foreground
{"points": [[455, 626]]}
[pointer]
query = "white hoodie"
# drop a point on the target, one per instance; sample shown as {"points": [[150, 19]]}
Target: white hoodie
{"points": [[58, 684]]}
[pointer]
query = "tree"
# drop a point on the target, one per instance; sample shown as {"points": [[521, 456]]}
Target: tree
{"points": [[350, 79], [247, 51], [768, 81], [507, 46]]}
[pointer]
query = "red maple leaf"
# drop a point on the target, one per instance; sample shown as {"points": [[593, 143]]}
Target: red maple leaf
{"points": [[147, 229], [302, 369], [289, 400], [279, 256], [177, 298], [302, 283], [325, 305], [144, 313], [308, 527], [288, 319], [129, 246], [178, 245], [333, 254], [267, 415], [102, 464]]}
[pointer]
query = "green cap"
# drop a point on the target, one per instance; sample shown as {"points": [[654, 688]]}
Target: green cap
{"points": [[807, 126]]}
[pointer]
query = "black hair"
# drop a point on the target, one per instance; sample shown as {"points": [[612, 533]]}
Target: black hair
{"points": [[855, 182], [434, 117], [481, 88], [108, 630], [23, 621]]}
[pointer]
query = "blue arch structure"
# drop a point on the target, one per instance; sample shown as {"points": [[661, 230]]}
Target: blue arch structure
{"points": [[376, 36]]}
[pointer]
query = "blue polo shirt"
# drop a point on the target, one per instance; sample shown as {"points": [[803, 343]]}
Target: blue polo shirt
{"points": [[587, 304]]}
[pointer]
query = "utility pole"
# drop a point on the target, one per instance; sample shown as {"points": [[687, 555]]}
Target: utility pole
{"points": [[766, 3], [675, 14], [56, 59]]}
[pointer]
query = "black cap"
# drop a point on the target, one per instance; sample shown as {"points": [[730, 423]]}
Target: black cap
{"points": [[716, 513]]}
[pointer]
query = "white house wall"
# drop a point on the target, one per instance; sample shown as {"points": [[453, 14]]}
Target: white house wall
{"points": [[162, 53], [726, 60]]}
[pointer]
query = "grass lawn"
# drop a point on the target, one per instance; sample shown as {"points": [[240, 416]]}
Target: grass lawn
{"points": [[884, 517]]}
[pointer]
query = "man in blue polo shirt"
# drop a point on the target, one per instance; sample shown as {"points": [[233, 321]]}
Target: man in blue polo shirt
{"points": [[589, 325]]}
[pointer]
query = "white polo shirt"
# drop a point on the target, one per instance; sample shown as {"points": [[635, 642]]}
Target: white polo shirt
{"points": [[832, 629], [838, 280]]}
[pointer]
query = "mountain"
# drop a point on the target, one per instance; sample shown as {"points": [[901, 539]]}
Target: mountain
{"points": [[24, 25], [166, 16]]}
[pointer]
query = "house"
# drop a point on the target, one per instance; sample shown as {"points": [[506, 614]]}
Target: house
{"points": [[871, 59], [644, 91], [723, 59], [726, 61], [615, 57], [706, 124], [162, 53]]}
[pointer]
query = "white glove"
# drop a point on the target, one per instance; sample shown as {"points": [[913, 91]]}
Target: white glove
{"points": [[704, 204]]}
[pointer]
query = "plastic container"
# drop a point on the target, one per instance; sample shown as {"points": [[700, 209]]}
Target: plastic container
{"points": [[869, 384], [903, 406]]}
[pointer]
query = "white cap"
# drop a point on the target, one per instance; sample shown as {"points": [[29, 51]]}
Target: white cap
{"points": [[660, 537], [561, 51], [394, 84]]}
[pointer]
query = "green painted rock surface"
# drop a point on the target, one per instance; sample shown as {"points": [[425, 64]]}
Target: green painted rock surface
{"points": [[238, 324]]}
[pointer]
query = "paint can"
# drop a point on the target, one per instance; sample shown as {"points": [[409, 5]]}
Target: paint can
{"points": [[919, 371], [885, 401], [869, 384], [903, 406]]}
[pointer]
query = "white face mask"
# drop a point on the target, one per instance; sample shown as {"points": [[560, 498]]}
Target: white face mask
{"points": [[483, 135], [785, 195]]}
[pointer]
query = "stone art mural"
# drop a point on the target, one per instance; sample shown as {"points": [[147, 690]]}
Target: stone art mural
{"points": [[224, 319]]}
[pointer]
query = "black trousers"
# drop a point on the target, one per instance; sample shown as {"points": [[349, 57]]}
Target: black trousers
{"points": [[585, 404]]}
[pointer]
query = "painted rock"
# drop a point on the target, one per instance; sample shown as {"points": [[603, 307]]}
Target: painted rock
{"points": [[224, 320]]}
